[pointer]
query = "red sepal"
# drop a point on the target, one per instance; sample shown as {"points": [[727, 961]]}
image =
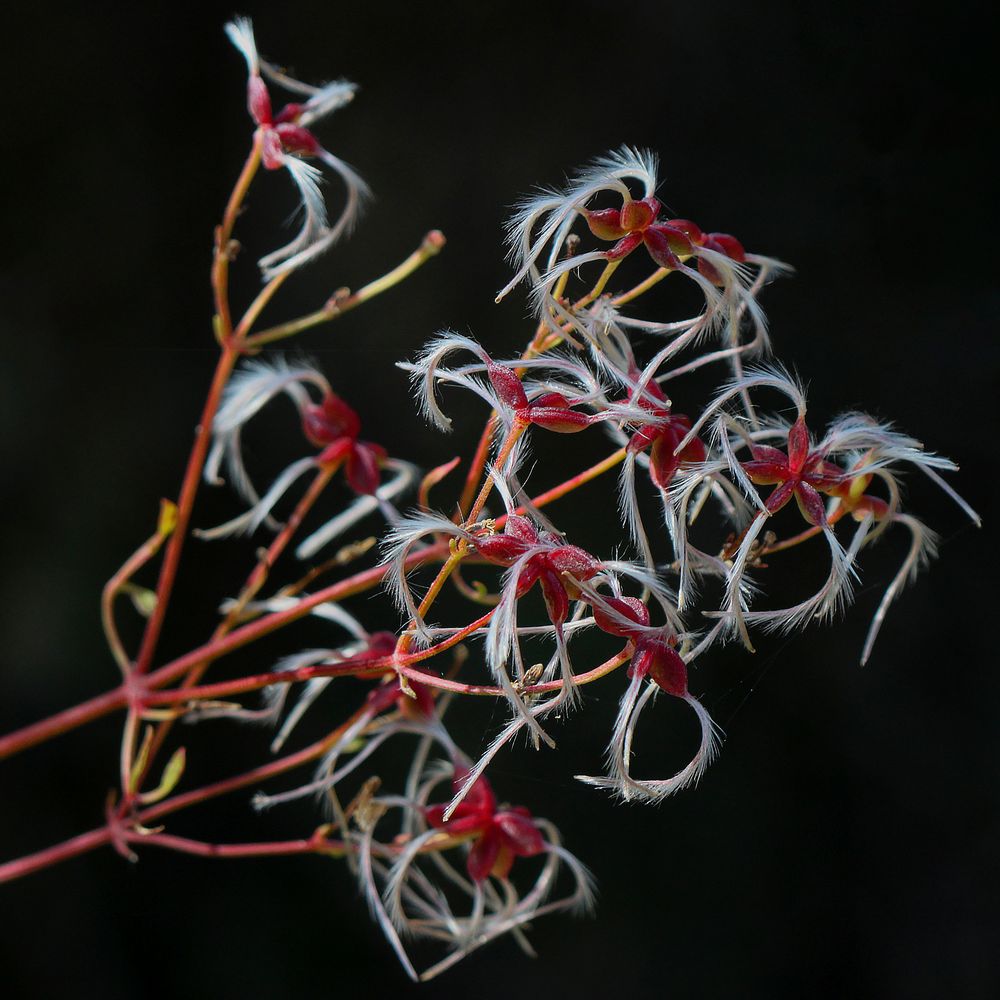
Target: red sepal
{"points": [[483, 854], [520, 527]]}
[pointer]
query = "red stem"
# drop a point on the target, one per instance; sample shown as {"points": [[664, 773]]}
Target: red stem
{"points": [[117, 698], [275, 848], [185, 505], [256, 580], [76, 846], [110, 701]]}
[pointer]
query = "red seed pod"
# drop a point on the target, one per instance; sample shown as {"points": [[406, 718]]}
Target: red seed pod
{"points": [[551, 399], [480, 798], [330, 420], [830, 478], [271, 153], [810, 504], [574, 560], [363, 468], [649, 396], [637, 215], [258, 101], [521, 528], [725, 244], [507, 385], [484, 856], [289, 113], [691, 230], [694, 451], [798, 445], [607, 619], [556, 598], [767, 455], [296, 139], [667, 245], [334, 454], [624, 247], [552, 411], [520, 832], [643, 438], [729, 245], [780, 496], [658, 659], [605, 224], [769, 465], [501, 549], [559, 421], [663, 463]]}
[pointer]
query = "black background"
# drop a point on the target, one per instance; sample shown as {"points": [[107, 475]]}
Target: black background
{"points": [[846, 841]]}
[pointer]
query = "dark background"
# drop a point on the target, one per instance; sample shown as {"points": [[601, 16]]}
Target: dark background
{"points": [[846, 841]]}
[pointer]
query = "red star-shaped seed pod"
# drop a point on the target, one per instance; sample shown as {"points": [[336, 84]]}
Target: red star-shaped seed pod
{"points": [[551, 410], [667, 241], [499, 835], [334, 426], [546, 566], [799, 473]]}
